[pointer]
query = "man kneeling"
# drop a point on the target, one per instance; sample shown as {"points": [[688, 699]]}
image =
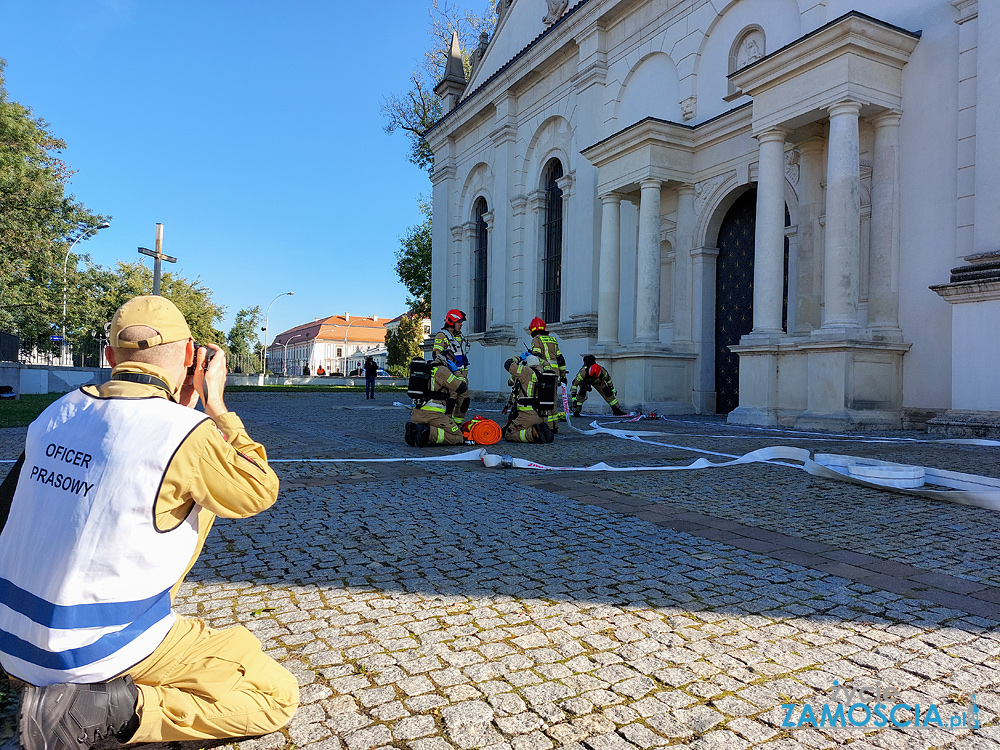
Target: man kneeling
{"points": [[431, 422], [525, 424], [101, 519]]}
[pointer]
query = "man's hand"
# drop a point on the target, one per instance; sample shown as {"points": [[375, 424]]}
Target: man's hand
{"points": [[211, 383]]}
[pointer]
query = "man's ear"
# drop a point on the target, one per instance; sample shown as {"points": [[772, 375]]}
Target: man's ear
{"points": [[109, 354], [189, 353]]}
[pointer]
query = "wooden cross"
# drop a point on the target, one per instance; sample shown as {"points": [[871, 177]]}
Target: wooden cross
{"points": [[157, 256]]}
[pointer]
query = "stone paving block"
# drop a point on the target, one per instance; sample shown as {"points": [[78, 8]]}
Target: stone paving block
{"points": [[610, 741], [413, 727], [412, 601]]}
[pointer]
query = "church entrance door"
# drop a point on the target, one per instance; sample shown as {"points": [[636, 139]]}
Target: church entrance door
{"points": [[733, 296]]}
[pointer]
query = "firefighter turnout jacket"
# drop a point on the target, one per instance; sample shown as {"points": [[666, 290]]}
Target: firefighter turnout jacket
{"points": [[583, 382]]}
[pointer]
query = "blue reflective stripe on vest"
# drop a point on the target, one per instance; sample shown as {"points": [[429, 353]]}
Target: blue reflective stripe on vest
{"points": [[71, 617], [99, 649]]}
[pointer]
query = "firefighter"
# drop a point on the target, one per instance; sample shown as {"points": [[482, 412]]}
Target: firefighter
{"points": [[525, 425], [546, 348], [592, 375], [430, 422], [450, 346]]}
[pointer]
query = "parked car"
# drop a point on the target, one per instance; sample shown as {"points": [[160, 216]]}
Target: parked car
{"points": [[382, 373]]}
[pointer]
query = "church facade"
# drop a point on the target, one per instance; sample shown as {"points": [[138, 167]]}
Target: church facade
{"points": [[787, 211]]}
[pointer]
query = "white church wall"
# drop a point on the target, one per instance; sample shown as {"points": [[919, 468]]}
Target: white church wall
{"points": [[651, 89], [927, 170], [780, 21]]}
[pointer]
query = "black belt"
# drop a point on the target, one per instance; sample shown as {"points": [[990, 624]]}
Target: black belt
{"points": [[138, 377]]}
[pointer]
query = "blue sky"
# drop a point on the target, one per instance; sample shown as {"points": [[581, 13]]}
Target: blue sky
{"points": [[249, 128]]}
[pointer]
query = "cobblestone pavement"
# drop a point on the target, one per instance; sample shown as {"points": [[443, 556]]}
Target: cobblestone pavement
{"points": [[445, 605]]}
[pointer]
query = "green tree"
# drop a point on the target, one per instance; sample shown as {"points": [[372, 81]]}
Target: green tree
{"points": [[97, 292], [38, 223], [413, 263], [403, 344], [244, 343], [415, 111]]}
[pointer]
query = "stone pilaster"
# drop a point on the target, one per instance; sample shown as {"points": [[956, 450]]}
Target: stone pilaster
{"points": [[883, 273], [809, 269], [682, 264]]}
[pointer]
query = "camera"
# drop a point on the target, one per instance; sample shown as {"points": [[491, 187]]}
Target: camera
{"points": [[209, 353]]}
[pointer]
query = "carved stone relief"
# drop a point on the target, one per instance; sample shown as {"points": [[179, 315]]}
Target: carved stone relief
{"points": [[792, 166], [751, 49], [556, 9], [689, 107], [703, 191]]}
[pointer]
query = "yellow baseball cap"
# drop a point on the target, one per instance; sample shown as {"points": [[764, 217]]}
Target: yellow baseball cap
{"points": [[154, 312]]}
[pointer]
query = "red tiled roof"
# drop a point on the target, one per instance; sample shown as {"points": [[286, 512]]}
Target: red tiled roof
{"points": [[336, 328]]}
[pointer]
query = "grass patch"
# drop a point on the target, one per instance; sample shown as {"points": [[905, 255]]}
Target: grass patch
{"points": [[22, 412], [310, 388]]}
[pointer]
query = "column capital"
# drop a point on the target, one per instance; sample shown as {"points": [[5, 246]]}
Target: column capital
{"points": [[844, 108], [488, 218], [685, 189], [771, 134], [889, 118], [456, 232], [649, 182], [812, 144], [611, 198]]}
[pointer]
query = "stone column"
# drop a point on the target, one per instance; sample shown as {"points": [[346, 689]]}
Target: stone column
{"points": [[809, 275], [703, 270], [463, 295], [647, 293], [769, 238], [493, 260], [883, 285], [682, 263], [609, 278], [455, 265], [843, 219]]}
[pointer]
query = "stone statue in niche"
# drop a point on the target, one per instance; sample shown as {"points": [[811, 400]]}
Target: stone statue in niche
{"points": [[478, 52], [556, 9], [751, 50]]}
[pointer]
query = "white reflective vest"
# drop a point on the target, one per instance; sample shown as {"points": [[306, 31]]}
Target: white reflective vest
{"points": [[85, 575]]}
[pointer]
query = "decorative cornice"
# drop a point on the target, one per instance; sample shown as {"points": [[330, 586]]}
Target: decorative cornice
{"points": [[577, 327], [500, 335], [968, 291], [967, 10]]}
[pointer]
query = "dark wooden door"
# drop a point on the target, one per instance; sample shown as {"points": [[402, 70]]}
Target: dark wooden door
{"points": [[733, 296]]}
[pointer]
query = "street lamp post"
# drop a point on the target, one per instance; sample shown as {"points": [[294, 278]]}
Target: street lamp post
{"points": [[90, 232], [284, 357], [263, 353], [347, 358]]}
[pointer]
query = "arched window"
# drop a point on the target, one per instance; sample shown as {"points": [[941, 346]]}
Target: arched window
{"points": [[480, 266], [747, 48], [552, 257]]}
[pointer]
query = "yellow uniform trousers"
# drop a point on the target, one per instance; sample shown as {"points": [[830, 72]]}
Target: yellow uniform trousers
{"points": [[445, 430], [522, 429], [205, 684]]}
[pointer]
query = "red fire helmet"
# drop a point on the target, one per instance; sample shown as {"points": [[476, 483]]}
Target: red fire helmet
{"points": [[453, 317], [595, 371], [536, 324]]}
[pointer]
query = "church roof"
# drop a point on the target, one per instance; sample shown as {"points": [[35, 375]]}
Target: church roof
{"points": [[474, 78]]}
